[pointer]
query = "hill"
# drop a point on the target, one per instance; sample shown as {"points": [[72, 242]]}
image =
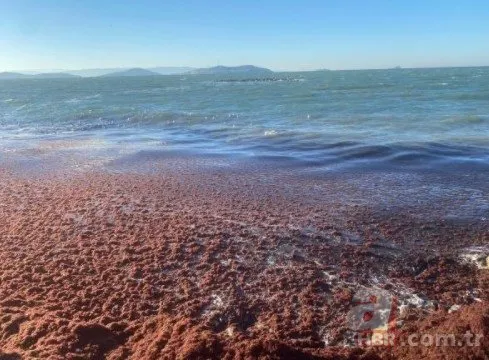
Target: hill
{"points": [[132, 72], [13, 75], [161, 70], [226, 70], [168, 70], [54, 76]]}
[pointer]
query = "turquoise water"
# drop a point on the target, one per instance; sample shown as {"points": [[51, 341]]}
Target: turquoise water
{"points": [[421, 117]]}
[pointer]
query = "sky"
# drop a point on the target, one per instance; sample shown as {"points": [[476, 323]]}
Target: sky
{"points": [[279, 34]]}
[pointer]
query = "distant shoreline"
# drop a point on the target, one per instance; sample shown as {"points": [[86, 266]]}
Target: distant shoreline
{"points": [[187, 70]]}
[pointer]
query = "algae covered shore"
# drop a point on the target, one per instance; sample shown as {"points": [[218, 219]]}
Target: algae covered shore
{"points": [[188, 258]]}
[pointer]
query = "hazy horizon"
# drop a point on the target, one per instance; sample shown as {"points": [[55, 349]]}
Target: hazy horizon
{"points": [[185, 68]]}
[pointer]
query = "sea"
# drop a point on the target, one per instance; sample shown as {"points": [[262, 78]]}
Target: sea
{"points": [[416, 118]]}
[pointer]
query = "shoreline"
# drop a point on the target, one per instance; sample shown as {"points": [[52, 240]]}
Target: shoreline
{"points": [[192, 261]]}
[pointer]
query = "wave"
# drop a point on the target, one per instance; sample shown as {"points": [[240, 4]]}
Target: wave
{"points": [[470, 95], [466, 120], [364, 155], [260, 80], [78, 100], [353, 87]]}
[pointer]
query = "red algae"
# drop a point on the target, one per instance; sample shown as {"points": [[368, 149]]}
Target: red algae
{"points": [[133, 266]]}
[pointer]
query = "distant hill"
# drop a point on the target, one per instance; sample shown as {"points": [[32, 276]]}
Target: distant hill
{"points": [[53, 76], [162, 70], [225, 70], [132, 72], [94, 72], [248, 70], [12, 75], [165, 70]]}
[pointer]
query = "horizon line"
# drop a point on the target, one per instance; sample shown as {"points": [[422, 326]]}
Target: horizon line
{"points": [[399, 67]]}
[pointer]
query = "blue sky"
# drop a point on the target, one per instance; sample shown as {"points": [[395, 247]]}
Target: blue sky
{"points": [[280, 34]]}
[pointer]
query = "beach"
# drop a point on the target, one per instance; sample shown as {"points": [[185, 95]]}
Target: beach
{"points": [[206, 257], [307, 215]]}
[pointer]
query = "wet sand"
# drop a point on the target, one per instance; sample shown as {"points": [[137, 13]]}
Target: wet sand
{"points": [[184, 263]]}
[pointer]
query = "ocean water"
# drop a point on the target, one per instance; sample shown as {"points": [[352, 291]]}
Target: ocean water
{"points": [[414, 118]]}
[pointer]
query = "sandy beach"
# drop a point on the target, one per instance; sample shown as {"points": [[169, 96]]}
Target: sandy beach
{"points": [[176, 262]]}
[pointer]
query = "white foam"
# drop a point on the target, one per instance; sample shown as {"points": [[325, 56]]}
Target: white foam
{"points": [[477, 255]]}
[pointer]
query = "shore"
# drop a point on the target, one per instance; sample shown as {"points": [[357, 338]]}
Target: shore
{"points": [[176, 260]]}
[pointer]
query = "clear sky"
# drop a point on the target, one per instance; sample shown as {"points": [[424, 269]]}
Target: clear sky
{"points": [[280, 34]]}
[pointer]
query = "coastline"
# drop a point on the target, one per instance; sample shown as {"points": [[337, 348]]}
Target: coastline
{"points": [[170, 257]]}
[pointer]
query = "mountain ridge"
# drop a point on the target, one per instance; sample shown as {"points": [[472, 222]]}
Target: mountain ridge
{"points": [[220, 69], [132, 73], [12, 75], [15, 75], [138, 71]]}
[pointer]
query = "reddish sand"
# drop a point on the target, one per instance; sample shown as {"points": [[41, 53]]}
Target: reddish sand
{"points": [[128, 266]]}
